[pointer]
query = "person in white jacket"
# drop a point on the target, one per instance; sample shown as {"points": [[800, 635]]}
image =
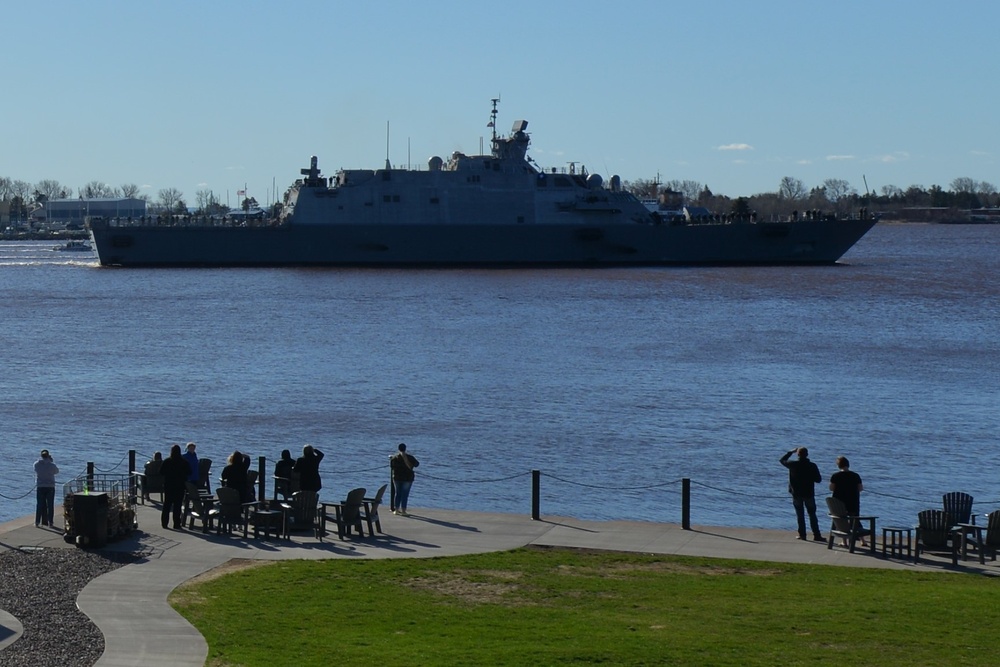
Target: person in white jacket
{"points": [[45, 489]]}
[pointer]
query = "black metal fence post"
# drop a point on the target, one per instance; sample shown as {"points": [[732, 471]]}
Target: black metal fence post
{"points": [[90, 475], [686, 503], [261, 481], [131, 477], [392, 488], [535, 493]]}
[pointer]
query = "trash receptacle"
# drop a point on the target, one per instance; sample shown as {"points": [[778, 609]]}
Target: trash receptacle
{"points": [[90, 519]]}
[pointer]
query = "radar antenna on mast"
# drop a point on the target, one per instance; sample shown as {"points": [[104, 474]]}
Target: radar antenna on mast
{"points": [[493, 118]]}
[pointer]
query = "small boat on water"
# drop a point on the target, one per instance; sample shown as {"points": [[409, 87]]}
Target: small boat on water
{"points": [[499, 209], [75, 246]]}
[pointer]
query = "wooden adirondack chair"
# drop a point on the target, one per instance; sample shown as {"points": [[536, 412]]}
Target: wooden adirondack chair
{"points": [[287, 486], [232, 512], [150, 481], [200, 508], [302, 511], [346, 514], [252, 485], [986, 539], [369, 510], [958, 505], [934, 532], [204, 474], [849, 528]]}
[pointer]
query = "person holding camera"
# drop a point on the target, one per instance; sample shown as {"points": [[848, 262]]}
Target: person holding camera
{"points": [[45, 489], [803, 475], [176, 472], [402, 465], [307, 466]]}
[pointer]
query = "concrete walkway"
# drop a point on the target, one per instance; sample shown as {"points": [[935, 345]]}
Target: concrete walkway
{"points": [[129, 605]]}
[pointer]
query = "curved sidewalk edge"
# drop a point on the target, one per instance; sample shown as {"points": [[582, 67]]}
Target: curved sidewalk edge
{"points": [[10, 629]]}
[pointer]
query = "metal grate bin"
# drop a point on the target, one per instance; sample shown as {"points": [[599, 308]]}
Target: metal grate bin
{"points": [[90, 519], [120, 491]]}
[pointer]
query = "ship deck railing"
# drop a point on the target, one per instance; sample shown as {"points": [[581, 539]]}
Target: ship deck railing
{"points": [[185, 221]]}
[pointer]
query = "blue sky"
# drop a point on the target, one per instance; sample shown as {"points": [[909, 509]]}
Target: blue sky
{"points": [[732, 94]]}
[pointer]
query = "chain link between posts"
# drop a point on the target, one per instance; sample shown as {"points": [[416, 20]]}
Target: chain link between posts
{"points": [[665, 486]]}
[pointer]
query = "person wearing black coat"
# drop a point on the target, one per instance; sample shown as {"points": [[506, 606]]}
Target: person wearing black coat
{"points": [[234, 475], [402, 465], [283, 475], [803, 475], [307, 466], [175, 471]]}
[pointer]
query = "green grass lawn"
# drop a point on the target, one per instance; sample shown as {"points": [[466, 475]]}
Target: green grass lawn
{"points": [[566, 607]]}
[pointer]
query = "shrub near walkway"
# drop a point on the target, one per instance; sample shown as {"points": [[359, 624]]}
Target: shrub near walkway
{"points": [[556, 606]]}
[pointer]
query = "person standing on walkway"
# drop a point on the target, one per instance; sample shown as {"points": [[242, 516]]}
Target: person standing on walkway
{"points": [[307, 466], [803, 475], [191, 456], [846, 486], [175, 471], [251, 493], [45, 489], [402, 465], [234, 474], [283, 475]]}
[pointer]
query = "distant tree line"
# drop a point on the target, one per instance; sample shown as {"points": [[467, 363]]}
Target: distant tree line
{"points": [[834, 195], [20, 197]]}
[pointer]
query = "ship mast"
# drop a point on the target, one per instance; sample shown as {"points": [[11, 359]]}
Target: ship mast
{"points": [[388, 166], [493, 122]]}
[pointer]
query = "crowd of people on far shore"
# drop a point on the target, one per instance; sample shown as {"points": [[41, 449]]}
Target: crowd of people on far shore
{"points": [[181, 467], [804, 475]]}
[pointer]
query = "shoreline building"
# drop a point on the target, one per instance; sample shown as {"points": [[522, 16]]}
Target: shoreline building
{"points": [[76, 210]]}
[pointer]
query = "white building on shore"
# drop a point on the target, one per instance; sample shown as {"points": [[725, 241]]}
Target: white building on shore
{"points": [[67, 211]]}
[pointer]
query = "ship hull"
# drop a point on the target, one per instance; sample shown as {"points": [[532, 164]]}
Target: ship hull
{"points": [[800, 242]]}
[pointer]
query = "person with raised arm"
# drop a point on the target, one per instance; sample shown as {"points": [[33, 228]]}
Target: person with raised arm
{"points": [[803, 475], [307, 466]]}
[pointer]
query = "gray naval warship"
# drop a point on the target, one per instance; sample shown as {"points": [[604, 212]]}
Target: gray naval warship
{"points": [[471, 210]]}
